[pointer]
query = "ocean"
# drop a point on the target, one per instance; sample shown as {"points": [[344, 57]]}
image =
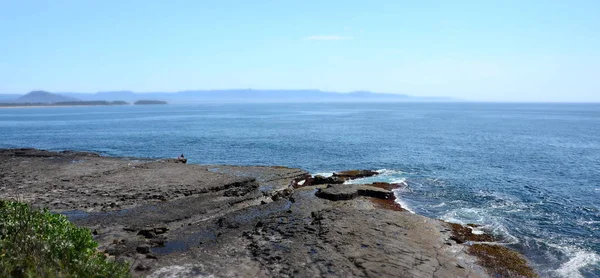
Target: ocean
{"points": [[529, 173]]}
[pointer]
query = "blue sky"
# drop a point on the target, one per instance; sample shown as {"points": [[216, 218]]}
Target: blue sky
{"points": [[523, 50]]}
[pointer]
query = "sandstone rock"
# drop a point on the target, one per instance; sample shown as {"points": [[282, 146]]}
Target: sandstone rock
{"points": [[318, 179], [350, 191], [354, 174], [386, 185]]}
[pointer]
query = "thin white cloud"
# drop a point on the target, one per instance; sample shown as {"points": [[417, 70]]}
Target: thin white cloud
{"points": [[328, 38]]}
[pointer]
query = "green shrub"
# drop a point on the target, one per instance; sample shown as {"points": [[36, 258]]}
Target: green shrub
{"points": [[36, 243]]}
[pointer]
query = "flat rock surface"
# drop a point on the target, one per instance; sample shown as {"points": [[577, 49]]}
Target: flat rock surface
{"points": [[171, 219]]}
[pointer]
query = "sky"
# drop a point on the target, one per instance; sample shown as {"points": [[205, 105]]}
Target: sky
{"points": [[526, 50]]}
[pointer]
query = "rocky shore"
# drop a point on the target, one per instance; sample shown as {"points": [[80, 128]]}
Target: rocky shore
{"points": [[171, 219]]}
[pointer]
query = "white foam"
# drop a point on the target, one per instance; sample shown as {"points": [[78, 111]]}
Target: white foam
{"points": [[403, 205], [481, 217], [389, 176], [399, 181], [442, 204], [324, 174], [578, 260], [386, 172], [477, 231]]}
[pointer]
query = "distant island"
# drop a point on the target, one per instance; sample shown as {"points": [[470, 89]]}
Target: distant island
{"points": [[211, 96], [149, 102]]}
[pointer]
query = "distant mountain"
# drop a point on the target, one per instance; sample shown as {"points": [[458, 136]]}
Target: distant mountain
{"points": [[201, 96], [42, 97], [250, 95]]}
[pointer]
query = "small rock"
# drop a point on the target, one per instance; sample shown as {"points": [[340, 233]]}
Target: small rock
{"points": [[143, 249], [147, 233], [129, 229], [142, 267], [151, 256], [160, 230]]}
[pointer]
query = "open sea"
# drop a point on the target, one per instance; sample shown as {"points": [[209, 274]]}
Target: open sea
{"points": [[529, 173]]}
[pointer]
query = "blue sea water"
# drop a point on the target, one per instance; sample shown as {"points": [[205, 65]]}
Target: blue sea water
{"points": [[530, 173]]}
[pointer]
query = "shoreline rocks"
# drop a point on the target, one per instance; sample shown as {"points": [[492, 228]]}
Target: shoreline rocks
{"points": [[176, 219]]}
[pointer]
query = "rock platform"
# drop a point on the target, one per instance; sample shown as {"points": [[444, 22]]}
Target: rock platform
{"points": [[171, 219]]}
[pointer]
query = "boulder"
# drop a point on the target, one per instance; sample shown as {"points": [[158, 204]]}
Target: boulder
{"points": [[143, 249], [318, 179]]}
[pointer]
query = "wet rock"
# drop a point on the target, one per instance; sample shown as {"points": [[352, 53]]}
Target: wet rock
{"points": [[318, 179], [386, 185], [389, 204], [501, 261], [147, 233], [462, 234], [342, 192], [354, 174]]}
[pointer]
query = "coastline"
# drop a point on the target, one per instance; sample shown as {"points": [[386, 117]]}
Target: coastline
{"points": [[170, 218], [54, 106]]}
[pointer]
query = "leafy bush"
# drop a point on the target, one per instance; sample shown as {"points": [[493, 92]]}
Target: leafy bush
{"points": [[36, 243]]}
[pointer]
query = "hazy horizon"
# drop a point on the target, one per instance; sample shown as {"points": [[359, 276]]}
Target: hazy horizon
{"points": [[500, 51]]}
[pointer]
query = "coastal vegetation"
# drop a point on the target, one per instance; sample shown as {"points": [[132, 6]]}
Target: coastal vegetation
{"points": [[38, 243]]}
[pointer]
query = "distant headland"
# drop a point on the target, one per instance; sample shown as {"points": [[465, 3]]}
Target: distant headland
{"points": [[223, 96], [43, 98]]}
